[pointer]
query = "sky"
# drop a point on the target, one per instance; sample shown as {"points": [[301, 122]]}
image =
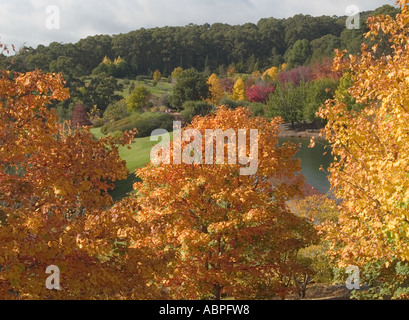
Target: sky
{"points": [[34, 22]]}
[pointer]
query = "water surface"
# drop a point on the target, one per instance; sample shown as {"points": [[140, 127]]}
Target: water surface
{"points": [[312, 160]]}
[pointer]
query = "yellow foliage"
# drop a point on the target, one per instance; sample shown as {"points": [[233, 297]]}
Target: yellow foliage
{"points": [[118, 60], [215, 89], [239, 92], [372, 149], [106, 61], [270, 74]]}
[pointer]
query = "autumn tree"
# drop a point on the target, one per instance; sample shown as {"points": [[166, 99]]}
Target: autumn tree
{"points": [[175, 73], [216, 92], [259, 92], [227, 234], [55, 208], [80, 116], [227, 85], [239, 92], [270, 74], [371, 150], [157, 75], [231, 71]]}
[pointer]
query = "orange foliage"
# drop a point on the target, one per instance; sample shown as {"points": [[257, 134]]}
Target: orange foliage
{"points": [[54, 184], [226, 233]]}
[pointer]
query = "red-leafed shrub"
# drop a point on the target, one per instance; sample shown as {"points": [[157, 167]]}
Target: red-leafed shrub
{"points": [[297, 75], [80, 116], [259, 92], [227, 84], [323, 69]]}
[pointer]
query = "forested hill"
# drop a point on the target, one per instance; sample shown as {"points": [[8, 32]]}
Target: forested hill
{"points": [[248, 47]]}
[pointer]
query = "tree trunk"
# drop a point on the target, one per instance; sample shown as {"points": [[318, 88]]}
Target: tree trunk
{"points": [[218, 292]]}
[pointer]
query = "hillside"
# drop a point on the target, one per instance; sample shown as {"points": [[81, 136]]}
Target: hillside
{"points": [[248, 46]]}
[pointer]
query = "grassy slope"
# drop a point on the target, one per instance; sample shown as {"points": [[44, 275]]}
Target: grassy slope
{"points": [[139, 153], [135, 158], [159, 90]]}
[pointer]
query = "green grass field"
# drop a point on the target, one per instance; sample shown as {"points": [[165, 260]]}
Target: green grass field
{"points": [[136, 157], [159, 90]]}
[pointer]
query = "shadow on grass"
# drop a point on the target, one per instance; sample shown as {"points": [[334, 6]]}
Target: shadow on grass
{"points": [[124, 187]]}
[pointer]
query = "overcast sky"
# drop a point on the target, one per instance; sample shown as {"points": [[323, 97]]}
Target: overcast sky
{"points": [[27, 21]]}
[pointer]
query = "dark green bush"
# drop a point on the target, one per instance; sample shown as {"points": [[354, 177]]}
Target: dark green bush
{"points": [[195, 108], [232, 104]]}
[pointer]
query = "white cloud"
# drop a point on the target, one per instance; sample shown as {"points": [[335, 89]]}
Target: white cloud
{"points": [[23, 21]]}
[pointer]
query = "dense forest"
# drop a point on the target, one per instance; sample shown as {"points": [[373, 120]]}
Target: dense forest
{"points": [[248, 47]]}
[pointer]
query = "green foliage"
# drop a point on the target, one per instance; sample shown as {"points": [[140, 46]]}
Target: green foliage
{"points": [[196, 46], [116, 111], [65, 111], [299, 54], [276, 59], [138, 99], [233, 104], [195, 108], [296, 104], [118, 69], [131, 87], [288, 102], [257, 109], [145, 123], [324, 47], [318, 92], [384, 283], [101, 91], [344, 96], [191, 86]]}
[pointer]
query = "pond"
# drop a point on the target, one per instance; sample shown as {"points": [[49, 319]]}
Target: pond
{"points": [[311, 161]]}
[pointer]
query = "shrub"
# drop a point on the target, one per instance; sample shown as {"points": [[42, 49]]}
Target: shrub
{"points": [[296, 76], [116, 111], [195, 108], [227, 84], [259, 92], [231, 104], [257, 109]]}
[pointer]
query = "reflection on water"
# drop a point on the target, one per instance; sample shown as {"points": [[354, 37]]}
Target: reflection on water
{"points": [[312, 160]]}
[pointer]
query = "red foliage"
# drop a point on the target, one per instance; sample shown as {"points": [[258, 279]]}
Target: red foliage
{"points": [[296, 75], [80, 116], [323, 69], [259, 92], [227, 84]]}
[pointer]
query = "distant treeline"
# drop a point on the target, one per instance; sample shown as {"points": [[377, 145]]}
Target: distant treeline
{"points": [[247, 47]]}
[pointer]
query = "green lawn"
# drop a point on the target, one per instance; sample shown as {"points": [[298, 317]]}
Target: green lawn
{"points": [[136, 157], [159, 90]]}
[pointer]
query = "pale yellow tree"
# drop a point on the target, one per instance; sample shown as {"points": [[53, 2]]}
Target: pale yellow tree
{"points": [[216, 91], [239, 92]]}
